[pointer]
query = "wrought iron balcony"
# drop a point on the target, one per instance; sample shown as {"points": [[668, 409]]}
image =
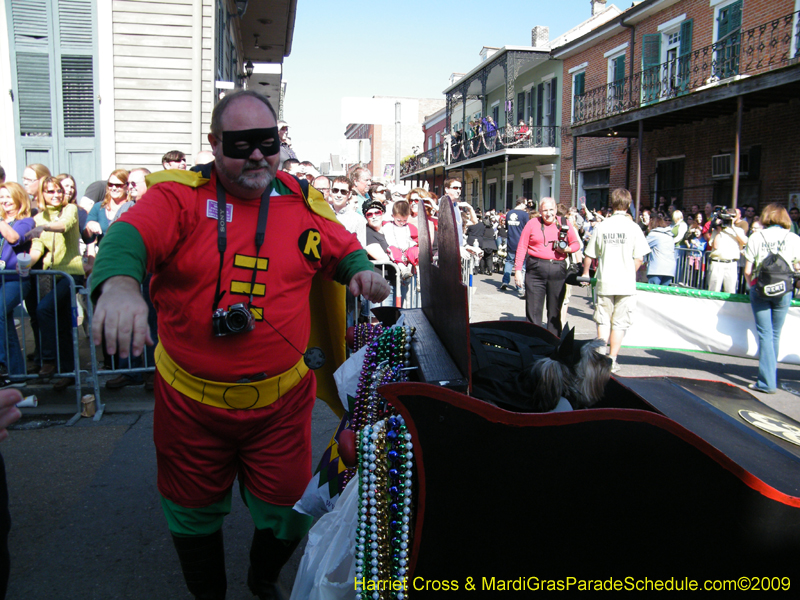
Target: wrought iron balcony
{"points": [[486, 142], [483, 143], [422, 161], [763, 48]]}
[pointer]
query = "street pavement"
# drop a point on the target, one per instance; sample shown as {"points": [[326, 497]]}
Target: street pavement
{"points": [[86, 518]]}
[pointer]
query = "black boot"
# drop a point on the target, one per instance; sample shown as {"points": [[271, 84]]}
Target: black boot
{"points": [[268, 554], [203, 563]]}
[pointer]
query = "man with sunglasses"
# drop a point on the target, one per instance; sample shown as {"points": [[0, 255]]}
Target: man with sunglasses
{"points": [[452, 189], [234, 390], [174, 159], [339, 199]]}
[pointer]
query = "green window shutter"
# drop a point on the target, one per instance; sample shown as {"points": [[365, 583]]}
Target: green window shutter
{"points": [[651, 62], [735, 16], [730, 19], [29, 19], [619, 69], [580, 84], [553, 96], [685, 58], [578, 89], [33, 88], [78, 96], [75, 23], [728, 40], [686, 37]]}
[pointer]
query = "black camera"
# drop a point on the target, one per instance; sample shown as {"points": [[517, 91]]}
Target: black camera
{"points": [[562, 243], [237, 319], [721, 217]]}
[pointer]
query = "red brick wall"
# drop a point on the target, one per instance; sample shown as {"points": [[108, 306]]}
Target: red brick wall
{"points": [[432, 131], [700, 141], [775, 128]]}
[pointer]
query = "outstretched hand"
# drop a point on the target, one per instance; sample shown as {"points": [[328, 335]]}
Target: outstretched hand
{"points": [[120, 317], [370, 285]]}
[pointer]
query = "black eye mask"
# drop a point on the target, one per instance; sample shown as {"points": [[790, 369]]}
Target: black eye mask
{"points": [[232, 140]]}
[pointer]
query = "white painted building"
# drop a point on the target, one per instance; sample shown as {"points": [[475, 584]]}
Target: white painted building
{"points": [[95, 85]]}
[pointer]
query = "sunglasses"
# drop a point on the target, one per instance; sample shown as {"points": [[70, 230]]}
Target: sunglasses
{"points": [[414, 200], [116, 186], [342, 191], [379, 192], [373, 213], [455, 187]]}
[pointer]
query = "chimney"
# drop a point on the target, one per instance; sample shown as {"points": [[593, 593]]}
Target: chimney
{"points": [[540, 36], [598, 6]]}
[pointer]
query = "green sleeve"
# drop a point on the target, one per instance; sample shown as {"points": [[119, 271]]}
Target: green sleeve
{"points": [[122, 252], [353, 263]]}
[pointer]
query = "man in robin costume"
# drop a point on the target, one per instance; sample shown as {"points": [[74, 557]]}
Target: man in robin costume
{"points": [[233, 250]]}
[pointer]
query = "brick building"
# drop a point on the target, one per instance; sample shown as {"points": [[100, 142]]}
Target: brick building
{"points": [[660, 99]]}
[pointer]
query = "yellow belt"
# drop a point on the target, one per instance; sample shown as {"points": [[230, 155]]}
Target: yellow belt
{"points": [[256, 394]]}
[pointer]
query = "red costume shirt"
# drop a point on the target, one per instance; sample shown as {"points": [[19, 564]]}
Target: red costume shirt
{"points": [[178, 225]]}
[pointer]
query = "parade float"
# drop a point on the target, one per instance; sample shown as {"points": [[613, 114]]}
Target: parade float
{"points": [[662, 479]]}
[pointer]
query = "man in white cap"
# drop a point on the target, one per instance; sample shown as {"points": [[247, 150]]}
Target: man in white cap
{"points": [[286, 147]]}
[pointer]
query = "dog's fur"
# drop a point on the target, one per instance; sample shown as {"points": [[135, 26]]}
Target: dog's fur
{"points": [[582, 385]]}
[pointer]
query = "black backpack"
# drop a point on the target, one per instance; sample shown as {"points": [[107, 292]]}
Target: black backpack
{"points": [[775, 276]]}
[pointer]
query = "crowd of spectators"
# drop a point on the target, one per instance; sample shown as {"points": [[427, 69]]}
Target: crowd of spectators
{"points": [[46, 221], [708, 244]]}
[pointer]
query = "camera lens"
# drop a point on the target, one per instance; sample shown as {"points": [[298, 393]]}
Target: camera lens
{"points": [[237, 321]]}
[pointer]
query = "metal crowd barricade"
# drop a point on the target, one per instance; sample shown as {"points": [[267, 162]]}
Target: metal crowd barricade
{"points": [[468, 266], [692, 270], [19, 311], [405, 291]]}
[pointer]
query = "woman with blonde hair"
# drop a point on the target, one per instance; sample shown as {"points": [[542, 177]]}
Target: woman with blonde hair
{"points": [[415, 198], [15, 223], [56, 245], [770, 306]]}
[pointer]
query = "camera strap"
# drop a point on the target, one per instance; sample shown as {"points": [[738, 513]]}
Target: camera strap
{"points": [[541, 222], [314, 357], [222, 239]]}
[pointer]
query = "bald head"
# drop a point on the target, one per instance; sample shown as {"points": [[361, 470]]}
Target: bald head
{"points": [[244, 177]]}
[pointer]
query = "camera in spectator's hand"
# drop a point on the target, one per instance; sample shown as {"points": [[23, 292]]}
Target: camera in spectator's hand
{"points": [[722, 217], [237, 319]]}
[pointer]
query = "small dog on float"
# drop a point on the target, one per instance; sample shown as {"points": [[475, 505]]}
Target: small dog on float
{"points": [[577, 374], [526, 374]]}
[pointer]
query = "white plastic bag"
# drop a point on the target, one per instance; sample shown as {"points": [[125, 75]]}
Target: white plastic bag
{"points": [[327, 569]]}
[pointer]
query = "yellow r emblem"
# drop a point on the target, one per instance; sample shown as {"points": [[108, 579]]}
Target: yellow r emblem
{"points": [[310, 244]]}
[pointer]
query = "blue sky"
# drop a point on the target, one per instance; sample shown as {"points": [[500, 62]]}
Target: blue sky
{"points": [[358, 48]]}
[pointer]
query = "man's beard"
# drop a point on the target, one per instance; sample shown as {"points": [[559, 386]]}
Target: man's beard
{"points": [[248, 180]]}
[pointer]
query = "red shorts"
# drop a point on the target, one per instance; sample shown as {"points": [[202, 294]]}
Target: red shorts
{"points": [[201, 449]]}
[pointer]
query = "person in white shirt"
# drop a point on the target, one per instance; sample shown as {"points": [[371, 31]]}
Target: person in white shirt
{"points": [[726, 245], [619, 246]]}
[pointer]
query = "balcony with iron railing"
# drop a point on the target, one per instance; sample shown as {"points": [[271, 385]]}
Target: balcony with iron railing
{"points": [[483, 143], [764, 48], [423, 161]]}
